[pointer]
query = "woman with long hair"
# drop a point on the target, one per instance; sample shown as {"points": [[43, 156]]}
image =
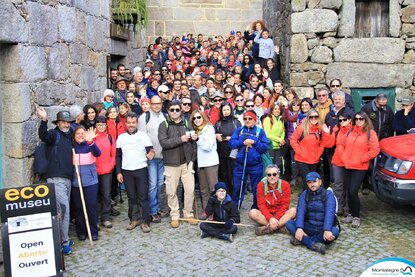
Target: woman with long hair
{"points": [[207, 157], [134, 105], [278, 88], [291, 123], [123, 110], [273, 125], [229, 93], [308, 142], [90, 115], [305, 106], [247, 68], [360, 146]]}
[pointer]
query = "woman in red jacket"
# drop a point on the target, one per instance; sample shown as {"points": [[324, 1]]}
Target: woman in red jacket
{"points": [[337, 137], [308, 142], [359, 147], [105, 165]]}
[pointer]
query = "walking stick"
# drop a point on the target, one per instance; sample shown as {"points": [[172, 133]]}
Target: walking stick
{"points": [[242, 180], [81, 192], [216, 222]]}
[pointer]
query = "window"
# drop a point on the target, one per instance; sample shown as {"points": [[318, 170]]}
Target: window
{"points": [[372, 18]]}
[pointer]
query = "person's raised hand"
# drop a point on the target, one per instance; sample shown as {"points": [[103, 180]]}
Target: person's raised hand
{"points": [[90, 135], [42, 113]]}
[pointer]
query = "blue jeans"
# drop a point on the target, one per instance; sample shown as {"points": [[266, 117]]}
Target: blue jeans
{"points": [[314, 233], [155, 181]]}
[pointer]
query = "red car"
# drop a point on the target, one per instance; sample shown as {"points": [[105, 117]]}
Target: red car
{"points": [[394, 176]]}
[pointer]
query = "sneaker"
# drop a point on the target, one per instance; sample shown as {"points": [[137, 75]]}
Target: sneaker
{"points": [[67, 249], [295, 241], [95, 238], [163, 214], [145, 228], [114, 212], [319, 247], [133, 224], [348, 219], [107, 224], [191, 220], [227, 237], [356, 222], [203, 235], [82, 237], [263, 230], [203, 216], [174, 223], [365, 191], [155, 219]]}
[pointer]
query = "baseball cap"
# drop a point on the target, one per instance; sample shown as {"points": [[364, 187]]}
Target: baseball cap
{"points": [[407, 100], [312, 176]]}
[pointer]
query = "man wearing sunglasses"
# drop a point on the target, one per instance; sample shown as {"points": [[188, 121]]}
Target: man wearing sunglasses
{"points": [[166, 96], [179, 153], [381, 115], [274, 195]]}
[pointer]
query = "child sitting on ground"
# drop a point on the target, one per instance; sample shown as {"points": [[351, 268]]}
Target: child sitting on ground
{"points": [[223, 209]]}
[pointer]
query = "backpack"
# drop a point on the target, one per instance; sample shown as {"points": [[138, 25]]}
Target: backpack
{"points": [[43, 154], [323, 199], [265, 181]]}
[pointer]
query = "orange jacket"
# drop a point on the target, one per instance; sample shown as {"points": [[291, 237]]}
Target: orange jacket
{"points": [[338, 152], [358, 150], [274, 204], [310, 148]]}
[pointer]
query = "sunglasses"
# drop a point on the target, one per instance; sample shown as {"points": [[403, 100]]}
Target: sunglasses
{"points": [[228, 91], [322, 95], [174, 110], [359, 119], [297, 105], [164, 70], [335, 86], [249, 106], [313, 116], [343, 119], [165, 92], [239, 100], [197, 117], [272, 174], [157, 74], [186, 104], [168, 64], [248, 119], [217, 100]]}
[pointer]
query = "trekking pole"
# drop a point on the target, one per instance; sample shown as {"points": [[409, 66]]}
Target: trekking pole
{"points": [[242, 180], [216, 222], [81, 192]]}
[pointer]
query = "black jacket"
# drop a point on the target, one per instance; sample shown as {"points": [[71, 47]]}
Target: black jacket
{"points": [[382, 119], [60, 165], [222, 211], [226, 127]]}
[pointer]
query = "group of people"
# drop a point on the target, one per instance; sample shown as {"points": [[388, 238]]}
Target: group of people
{"points": [[205, 113]]}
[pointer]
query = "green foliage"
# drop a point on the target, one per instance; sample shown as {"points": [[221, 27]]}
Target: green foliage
{"points": [[131, 12]]}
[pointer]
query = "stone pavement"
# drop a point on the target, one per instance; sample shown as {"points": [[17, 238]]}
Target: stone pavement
{"points": [[386, 231]]}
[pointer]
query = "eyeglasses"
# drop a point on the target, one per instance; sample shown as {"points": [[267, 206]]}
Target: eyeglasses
{"points": [[174, 110], [248, 118], [313, 116], [322, 95], [197, 117], [158, 103], [156, 74], [186, 104], [101, 124], [272, 174], [249, 106], [359, 119], [343, 119], [296, 105], [167, 64], [239, 100], [335, 86], [217, 100]]}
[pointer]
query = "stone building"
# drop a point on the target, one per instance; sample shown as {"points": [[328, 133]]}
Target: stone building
{"points": [[369, 45]]}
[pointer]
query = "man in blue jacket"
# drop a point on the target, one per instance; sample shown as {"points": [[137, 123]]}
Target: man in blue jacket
{"points": [[314, 226], [251, 142]]}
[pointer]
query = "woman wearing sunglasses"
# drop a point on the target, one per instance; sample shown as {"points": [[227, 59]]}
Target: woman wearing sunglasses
{"points": [[308, 142], [358, 148], [207, 157]]}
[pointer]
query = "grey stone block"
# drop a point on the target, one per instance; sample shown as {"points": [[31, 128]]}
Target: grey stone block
{"points": [[322, 54], [66, 19], [16, 29], [58, 62], [88, 77], [17, 172], [330, 42], [305, 79], [49, 93], [78, 53], [118, 48], [299, 49], [17, 97], [376, 50], [298, 5], [24, 139], [43, 27], [81, 27], [347, 19], [408, 2], [311, 43], [314, 21], [394, 18], [408, 30], [409, 57], [330, 4], [369, 75]]}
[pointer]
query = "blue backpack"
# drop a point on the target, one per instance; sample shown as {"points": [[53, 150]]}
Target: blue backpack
{"points": [[43, 154]]}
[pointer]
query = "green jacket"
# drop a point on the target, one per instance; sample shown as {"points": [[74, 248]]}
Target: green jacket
{"points": [[274, 129]]}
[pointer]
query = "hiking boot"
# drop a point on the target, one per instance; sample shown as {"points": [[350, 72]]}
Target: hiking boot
{"points": [[145, 228], [263, 230], [95, 237], [227, 237], [283, 230], [348, 219], [174, 223], [356, 222], [295, 241], [203, 216], [107, 224], [163, 213], [114, 212], [319, 247], [155, 219], [133, 224], [191, 220], [203, 235], [67, 250]]}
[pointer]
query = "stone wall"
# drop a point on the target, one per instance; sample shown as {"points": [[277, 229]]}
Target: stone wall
{"points": [[54, 54], [322, 47], [209, 17]]}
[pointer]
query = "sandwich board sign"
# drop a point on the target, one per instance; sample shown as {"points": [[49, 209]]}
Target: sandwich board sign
{"points": [[30, 232]]}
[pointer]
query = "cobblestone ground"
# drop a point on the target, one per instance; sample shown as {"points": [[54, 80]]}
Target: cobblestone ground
{"points": [[386, 231]]}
